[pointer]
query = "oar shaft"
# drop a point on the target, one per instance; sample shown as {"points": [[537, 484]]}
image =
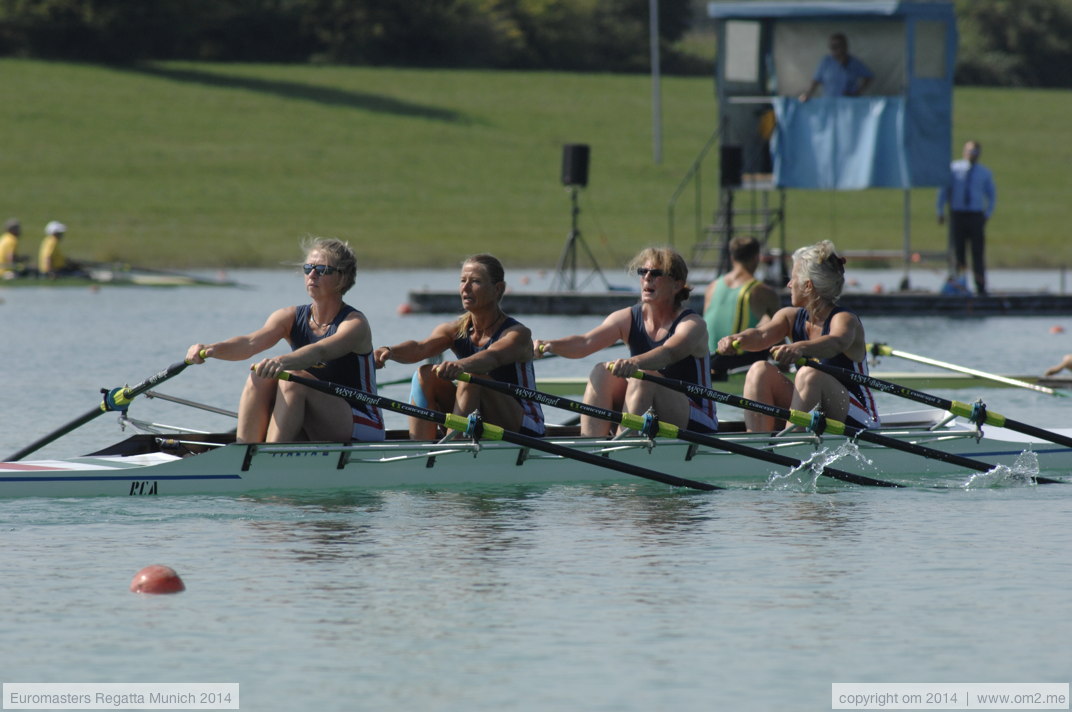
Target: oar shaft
{"points": [[884, 350], [54, 435], [170, 372], [800, 418], [493, 432], [119, 398], [668, 430], [964, 410]]}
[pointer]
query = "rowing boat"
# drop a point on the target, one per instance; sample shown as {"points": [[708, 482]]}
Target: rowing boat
{"points": [[157, 464], [100, 274]]}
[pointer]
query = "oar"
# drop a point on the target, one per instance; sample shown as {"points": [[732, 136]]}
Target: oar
{"points": [[115, 399], [667, 430], [822, 424], [491, 432], [975, 413], [884, 350], [191, 279]]}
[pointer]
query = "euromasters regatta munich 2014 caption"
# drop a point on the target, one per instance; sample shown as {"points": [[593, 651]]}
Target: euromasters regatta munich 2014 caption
{"points": [[119, 696]]}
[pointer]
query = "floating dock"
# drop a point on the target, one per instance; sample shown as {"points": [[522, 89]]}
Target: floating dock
{"points": [[865, 304]]}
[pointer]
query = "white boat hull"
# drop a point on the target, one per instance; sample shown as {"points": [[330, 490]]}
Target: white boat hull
{"points": [[239, 468]]}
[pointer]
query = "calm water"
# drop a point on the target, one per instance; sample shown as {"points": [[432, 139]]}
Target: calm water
{"points": [[631, 597]]}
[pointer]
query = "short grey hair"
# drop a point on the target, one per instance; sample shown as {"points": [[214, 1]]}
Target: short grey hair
{"points": [[821, 264]]}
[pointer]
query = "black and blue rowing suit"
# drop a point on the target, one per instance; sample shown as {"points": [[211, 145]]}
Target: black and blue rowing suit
{"points": [[353, 370], [863, 412], [691, 369], [519, 374]]}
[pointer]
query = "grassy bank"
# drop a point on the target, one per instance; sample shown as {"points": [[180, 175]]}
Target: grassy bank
{"points": [[184, 165]]}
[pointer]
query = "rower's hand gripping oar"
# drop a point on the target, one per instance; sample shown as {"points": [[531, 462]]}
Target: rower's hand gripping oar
{"points": [[114, 399], [476, 428], [820, 424], [976, 413], [667, 430], [879, 349]]}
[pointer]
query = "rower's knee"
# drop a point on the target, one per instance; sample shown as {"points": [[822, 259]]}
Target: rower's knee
{"points": [[759, 375], [806, 378]]}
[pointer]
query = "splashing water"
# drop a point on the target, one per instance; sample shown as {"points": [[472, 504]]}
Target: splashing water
{"points": [[1022, 473], [806, 475]]}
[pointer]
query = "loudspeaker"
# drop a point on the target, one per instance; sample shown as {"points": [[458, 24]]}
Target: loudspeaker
{"points": [[731, 165], [575, 164]]}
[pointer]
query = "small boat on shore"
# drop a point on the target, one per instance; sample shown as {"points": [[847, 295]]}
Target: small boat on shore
{"points": [[159, 464]]}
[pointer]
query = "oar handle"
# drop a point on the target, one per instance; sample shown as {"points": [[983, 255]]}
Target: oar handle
{"points": [[879, 349]]}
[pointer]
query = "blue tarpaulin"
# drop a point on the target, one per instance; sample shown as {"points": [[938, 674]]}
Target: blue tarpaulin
{"points": [[842, 143]]}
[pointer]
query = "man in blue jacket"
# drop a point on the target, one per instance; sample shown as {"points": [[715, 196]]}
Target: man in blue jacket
{"points": [[972, 196]]}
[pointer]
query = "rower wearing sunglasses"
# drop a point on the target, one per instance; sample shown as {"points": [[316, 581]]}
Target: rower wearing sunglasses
{"points": [[329, 340], [663, 335]]}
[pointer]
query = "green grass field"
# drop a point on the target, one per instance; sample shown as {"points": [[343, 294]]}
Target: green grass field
{"points": [[183, 165]]}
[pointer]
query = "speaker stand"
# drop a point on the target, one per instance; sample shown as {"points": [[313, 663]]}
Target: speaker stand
{"points": [[566, 272]]}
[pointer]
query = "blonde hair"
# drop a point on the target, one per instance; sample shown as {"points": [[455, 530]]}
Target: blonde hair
{"points": [[670, 262], [340, 253], [496, 274], [821, 264]]}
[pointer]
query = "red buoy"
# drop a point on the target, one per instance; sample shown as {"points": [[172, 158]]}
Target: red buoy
{"points": [[1057, 329], [157, 579], [405, 308]]}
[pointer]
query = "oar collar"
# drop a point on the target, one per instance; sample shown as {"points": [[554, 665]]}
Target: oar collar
{"points": [[474, 428]]}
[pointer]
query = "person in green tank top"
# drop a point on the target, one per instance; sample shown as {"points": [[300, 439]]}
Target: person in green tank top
{"points": [[736, 301]]}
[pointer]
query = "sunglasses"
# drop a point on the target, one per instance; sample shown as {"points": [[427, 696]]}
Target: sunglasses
{"points": [[320, 269], [643, 272]]}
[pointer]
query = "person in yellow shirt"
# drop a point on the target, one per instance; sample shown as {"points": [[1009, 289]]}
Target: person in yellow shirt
{"points": [[11, 263], [51, 261]]}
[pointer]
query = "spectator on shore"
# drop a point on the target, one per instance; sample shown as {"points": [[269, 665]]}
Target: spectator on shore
{"points": [[971, 196], [839, 73]]}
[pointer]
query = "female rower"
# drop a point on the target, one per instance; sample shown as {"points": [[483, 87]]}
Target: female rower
{"points": [[329, 339], [663, 335], [484, 340], [818, 329]]}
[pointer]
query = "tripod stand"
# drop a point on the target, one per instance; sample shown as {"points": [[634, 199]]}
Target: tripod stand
{"points": [[566, 272]]}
